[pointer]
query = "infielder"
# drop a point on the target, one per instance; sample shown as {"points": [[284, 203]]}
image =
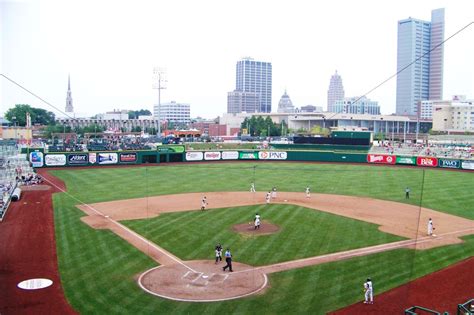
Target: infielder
{"points": [[203, 203], [252, 187], [369, 292], [308, 194], [430, 227], [274, 193], [257, 221], [218, 253], [267, 197]]}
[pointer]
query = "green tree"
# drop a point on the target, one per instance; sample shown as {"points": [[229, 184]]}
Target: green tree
{"points": [[39, 116], [134, 114]]}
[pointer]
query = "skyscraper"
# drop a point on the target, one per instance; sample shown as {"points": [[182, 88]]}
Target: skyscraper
{"points": [[335, 92], [423, 80], [69, 108], [256, 76]]}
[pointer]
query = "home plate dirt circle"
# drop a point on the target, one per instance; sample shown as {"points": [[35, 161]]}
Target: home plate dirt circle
{"points": [[203, 281]]}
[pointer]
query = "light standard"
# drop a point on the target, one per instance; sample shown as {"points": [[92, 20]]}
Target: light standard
{"points": [[159, 80]]}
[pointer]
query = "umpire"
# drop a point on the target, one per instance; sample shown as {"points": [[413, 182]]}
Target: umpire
{"points": [[228, 260]]}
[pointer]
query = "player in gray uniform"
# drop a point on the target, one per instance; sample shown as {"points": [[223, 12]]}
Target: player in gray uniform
{"points": [[252, 187], [257, 221], [430, 227], [267, 197], [308, 192]]}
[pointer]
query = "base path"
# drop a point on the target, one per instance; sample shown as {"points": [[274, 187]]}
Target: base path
{"points": [[204, 281]]}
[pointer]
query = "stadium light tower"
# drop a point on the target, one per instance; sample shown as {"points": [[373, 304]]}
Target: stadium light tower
{"points": [[159, 84]]}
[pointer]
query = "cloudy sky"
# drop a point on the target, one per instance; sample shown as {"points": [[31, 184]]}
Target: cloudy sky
{"points": [[111, 47]]}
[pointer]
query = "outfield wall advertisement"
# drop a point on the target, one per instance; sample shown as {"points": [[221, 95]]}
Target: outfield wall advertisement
{"points": [[212, 156], [107, 158], [449, 163], [427, 161], [406, 160], [77, 159], [36, 159], [248, 155], [467, 165], [128, 157], [230, 155], [381, 158], [272, 155], [194, 156], [55, 159]]}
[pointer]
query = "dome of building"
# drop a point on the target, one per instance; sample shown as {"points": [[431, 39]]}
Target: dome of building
{"points": [[285, 105]]}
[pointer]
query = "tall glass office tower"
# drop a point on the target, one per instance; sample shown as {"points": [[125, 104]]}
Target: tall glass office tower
{"points": [[256, 76], [423, 80]]}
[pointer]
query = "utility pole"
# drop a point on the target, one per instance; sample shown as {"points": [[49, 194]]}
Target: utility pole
{"points": [[159, 84]]}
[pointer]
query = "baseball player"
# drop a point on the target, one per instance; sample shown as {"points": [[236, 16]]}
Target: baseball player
{"points": [[218, 253], [274, 193], [430, 227], [203, 203], [267, 197], [407, 193], [257, 221], [252, 187], [369, 292], [308, 192]]}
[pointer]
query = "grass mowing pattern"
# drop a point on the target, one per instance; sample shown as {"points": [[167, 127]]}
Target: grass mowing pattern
{"points": [[97, 267], [304, 233]]}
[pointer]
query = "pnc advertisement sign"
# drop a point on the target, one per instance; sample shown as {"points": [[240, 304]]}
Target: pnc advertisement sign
{"points": [[381, 159], [128, 157], [248, 155], [212, 156], [194, 156], [427, 161], [449, 163], [77, 159], [270, 155]]}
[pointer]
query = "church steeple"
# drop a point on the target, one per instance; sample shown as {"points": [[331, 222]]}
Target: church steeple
{"points": [[69, 108]]}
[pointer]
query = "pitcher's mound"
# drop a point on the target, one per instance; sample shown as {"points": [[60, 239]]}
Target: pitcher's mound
{"points": [[248, 229], [203, 281]]}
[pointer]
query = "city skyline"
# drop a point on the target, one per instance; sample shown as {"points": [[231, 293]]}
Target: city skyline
{"points": [[111, 57]]}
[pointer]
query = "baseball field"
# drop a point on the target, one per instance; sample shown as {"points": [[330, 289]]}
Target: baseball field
{"points": [[114, 224]]}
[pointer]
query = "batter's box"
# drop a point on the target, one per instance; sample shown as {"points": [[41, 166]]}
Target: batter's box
{"points": [[217, 278], [192, 276]]}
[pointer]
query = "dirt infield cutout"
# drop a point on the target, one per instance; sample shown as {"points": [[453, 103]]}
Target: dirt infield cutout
{"points": [[203, 281], [249, 228]]}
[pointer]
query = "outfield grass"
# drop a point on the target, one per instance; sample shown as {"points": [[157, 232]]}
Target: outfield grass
{"points": [[98, 268], [304, 233]]}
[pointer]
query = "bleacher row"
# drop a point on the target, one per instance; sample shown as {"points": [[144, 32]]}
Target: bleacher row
{"points": [[465, 152], [14, 170]]}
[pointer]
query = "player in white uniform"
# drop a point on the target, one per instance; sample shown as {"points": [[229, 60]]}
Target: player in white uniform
{"points": [[308, 193], [257, 221], [430, 227], [203, 203], [252, 187], [274, 192], [369, 292], [267, 197]]}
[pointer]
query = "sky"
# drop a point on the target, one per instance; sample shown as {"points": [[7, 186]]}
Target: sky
{"points": [[110, 49]]}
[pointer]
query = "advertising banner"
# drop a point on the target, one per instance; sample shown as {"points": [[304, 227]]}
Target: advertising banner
{"points": [[406, 160], [427, 161], [381, 159], [449, 163], [271, 155], [128, 157], [36, 159], [55, 159], [108, 158], [248, 155], [230, 155], [467, 165], [92, 158], [77, 159], [194, 156], [212, 156]]}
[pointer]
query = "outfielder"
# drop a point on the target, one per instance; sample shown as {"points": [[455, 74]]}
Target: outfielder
{"points": [[369, 292]]}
